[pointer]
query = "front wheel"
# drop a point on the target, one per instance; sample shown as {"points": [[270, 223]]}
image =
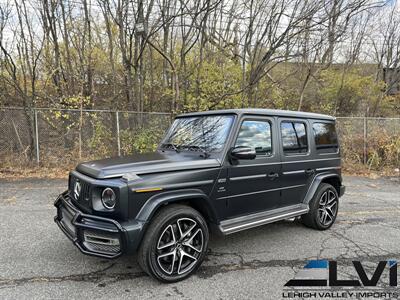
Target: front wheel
{"points": [[324, 207], [175, 243]]}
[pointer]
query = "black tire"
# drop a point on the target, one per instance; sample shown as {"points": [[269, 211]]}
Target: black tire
{"points": [[320, 212], [170, 224]]}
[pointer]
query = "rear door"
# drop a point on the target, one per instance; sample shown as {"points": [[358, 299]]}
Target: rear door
{"points": [[253, 185], [297, 166]]}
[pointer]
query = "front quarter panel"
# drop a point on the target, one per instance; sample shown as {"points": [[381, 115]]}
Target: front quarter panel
{"points": [[156, 201], [150, 191]]}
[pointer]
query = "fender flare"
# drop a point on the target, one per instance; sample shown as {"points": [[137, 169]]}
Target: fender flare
{"points": [[315, 184], [153, 203]]}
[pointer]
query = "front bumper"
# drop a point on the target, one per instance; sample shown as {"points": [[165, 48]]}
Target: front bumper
{"points": [[94, 235]]}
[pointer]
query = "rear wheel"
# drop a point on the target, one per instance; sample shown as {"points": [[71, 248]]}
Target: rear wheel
{"points": [[175, 244], [323, 208]]}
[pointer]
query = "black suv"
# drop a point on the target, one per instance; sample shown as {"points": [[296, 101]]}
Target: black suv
{"points": [[220, 171]]}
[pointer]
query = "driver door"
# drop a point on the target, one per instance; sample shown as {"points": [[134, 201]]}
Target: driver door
{"points": [[254, 185]]}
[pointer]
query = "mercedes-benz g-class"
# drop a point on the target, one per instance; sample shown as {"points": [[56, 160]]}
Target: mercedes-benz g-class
{"points": [[219, 171]]}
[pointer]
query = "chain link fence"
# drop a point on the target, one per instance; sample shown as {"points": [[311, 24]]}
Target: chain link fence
{"points": [[52, 137], [64, 136], [371, 141]]}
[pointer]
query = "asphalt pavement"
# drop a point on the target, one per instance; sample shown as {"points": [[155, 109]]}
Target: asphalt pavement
{"points": [[38, 262]]}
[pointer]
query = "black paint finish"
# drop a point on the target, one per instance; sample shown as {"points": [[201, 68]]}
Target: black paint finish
{"points": [[224, 189]]}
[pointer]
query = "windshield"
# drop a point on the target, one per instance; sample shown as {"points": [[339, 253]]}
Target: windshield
{"points": [[202, 133]]}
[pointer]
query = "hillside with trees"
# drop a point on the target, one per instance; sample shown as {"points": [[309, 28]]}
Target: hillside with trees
{"points": [[184, 55]]}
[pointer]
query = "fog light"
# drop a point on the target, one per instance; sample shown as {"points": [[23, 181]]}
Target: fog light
{"points": [[108, 198]]}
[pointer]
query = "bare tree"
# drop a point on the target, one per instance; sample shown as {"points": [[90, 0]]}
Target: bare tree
{"points": [[152, 54], [386, 46], [28, 48]]}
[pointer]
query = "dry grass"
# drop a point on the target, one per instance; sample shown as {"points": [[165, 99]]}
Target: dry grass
{"points": [[352, 169], [33, 172], [19, 168]]}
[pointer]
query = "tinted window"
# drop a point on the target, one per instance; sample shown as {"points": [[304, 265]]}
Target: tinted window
{"points": [[325, 137], [256, 135], [294, 137]]}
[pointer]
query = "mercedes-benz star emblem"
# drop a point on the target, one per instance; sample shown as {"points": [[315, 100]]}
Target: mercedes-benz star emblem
{"points": [[77, 189]]}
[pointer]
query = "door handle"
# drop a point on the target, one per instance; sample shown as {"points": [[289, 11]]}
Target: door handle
{"points": [[310, 171], [272, 176]]}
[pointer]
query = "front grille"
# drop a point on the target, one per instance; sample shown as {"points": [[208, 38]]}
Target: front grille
{"points": [[84, 195], [101, 242]]}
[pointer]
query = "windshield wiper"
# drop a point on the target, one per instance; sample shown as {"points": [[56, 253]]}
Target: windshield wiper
{"points": [[170, 146], [205, 154]]}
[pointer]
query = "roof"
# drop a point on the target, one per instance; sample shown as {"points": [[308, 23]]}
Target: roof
{"points": [[263, 112]]}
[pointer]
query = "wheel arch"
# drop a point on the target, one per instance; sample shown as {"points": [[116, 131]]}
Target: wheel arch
{"points": [[333, 179], [194, 198]]}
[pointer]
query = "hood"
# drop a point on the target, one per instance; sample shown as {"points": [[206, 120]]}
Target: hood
{"points": [[147, 163]]}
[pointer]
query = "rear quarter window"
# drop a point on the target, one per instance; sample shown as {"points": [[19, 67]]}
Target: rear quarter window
{"points": [[325, 137]]}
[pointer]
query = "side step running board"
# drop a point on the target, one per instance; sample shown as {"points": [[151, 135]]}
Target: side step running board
{"points": [[258, 219]]}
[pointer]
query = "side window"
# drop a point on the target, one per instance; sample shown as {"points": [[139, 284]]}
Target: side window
{"points": [[294, 137], [256, 135], [325, 136]]}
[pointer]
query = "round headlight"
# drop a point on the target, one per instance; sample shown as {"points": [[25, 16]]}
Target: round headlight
{"points": [[108, 198]]}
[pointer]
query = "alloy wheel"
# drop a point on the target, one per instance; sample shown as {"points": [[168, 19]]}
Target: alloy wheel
{"points": [[328, 204], [180, 246]]}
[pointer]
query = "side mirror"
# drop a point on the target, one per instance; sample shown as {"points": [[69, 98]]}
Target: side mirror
{"points": [[243, 153]]}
